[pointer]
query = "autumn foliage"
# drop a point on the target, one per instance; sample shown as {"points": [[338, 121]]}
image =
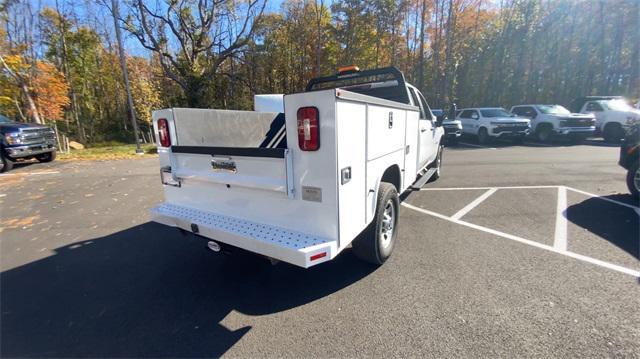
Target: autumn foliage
{"points": [[51, 91]]}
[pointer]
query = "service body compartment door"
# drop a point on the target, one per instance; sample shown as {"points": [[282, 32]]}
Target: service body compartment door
{"points": [[385, 131], [411, 149], [351, 133]]}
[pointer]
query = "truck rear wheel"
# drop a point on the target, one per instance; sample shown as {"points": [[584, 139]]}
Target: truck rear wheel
{"points": [[376, 242], [6, 164], [613, 133]]}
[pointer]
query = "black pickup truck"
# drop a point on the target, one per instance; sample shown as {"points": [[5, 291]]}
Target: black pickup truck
{"points": [[23, 141]]}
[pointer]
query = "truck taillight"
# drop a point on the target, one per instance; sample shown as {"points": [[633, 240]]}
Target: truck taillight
{"points": [[308, 129], [163, 133]]}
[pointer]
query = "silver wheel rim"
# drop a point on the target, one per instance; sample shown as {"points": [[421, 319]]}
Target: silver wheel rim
{"points": [[636, 179], [388, 224]]}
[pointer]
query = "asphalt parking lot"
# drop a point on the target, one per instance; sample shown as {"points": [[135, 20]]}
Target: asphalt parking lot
{"points": [[525, 251]]}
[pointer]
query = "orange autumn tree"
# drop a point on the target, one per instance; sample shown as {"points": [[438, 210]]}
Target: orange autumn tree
{"points": [[51, 91]]}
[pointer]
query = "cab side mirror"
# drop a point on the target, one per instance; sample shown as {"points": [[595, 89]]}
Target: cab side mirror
{"points": [[439, 120]]}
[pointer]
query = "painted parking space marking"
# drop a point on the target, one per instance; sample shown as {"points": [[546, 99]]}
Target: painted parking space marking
{"points": [[560, 243], [560, 239], [474, 204], [637, 209], [473, 188], [477, 146]]}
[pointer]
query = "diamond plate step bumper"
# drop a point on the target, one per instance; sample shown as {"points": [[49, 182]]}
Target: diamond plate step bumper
{"points": [[297, 248]]}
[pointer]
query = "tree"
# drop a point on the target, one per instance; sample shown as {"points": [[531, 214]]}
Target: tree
{"points": [[205, 34], [51, 91]]}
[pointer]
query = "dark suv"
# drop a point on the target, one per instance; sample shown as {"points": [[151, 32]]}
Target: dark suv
{"points": [[22, 141], [630, 158]]}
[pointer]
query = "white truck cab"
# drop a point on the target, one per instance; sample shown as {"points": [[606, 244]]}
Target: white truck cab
{"points": [[302, 185], [550, 120], [493, 122], [612, 115]]}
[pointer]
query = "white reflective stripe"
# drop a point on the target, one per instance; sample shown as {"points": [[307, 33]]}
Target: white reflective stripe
{"points": [[273, 140], [279, 139]]}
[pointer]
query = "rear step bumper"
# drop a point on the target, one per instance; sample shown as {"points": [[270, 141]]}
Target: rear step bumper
{"points": [[297, 248]]}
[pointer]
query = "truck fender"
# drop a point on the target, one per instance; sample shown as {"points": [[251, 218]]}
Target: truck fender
{"points": [[391, 175]]}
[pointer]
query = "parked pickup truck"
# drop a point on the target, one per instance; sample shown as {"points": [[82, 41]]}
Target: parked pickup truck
{"points": [[554, 120], [22, 141], [303, 185], [612, 114], [493, 122], [452, 127]]}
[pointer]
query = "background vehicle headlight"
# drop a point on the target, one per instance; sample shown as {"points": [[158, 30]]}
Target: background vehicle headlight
{"points": [[13, 138]]}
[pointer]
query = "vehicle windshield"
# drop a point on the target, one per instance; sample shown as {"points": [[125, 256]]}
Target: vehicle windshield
{"points": [[616, 105], [553, 109], [496, 112], [4, 119]]}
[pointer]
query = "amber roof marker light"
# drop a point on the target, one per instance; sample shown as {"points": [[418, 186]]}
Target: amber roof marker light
{"points": [[348, 69]]}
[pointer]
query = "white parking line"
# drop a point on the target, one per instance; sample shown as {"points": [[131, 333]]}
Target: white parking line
{"points": [[474, 204], [560, 239], [474, 188], [580, 257], [478, 146], [637, 209]]}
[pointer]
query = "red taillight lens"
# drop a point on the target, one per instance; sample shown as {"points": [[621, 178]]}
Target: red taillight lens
{"points": [[308, 129], [163, 133]]}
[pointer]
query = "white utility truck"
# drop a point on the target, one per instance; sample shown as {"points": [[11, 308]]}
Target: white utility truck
{"points": [[303, 185]]}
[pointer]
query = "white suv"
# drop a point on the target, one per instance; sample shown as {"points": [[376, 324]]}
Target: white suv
{"points": [[493, 122], [550, 120]]}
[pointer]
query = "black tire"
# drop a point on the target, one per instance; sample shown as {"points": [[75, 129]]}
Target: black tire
{"points": [[613, 133], [633, 180], [46, 157], [372, 245], [437, 164], [483, 136], [543, 133], [6, 164]]}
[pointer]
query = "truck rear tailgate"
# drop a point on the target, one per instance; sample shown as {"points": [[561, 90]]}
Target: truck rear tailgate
{"points": [[236, 183]]}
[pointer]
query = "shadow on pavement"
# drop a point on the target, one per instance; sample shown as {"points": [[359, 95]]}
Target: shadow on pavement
{"points": [[148, 291], [615, 223]]}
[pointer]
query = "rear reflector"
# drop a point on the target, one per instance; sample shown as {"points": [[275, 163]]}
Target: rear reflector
{"points": [[163, 133], [318, 256], [308, 129]]}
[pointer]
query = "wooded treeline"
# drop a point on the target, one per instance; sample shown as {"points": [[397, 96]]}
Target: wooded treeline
{"points": [[59, 61]]}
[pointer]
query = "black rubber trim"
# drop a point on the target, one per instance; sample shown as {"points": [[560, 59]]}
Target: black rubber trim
{"points": [[231, 151]]}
